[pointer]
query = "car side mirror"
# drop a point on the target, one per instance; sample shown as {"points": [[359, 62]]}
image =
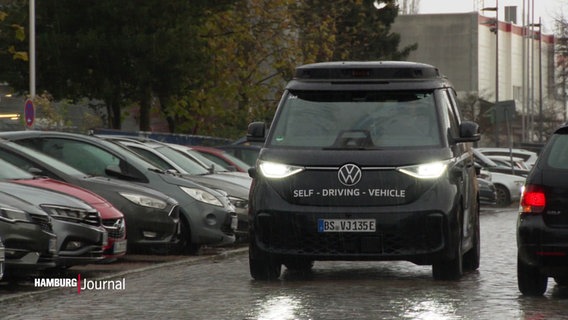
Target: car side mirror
{"points": [[256, 132], [469, 132]]}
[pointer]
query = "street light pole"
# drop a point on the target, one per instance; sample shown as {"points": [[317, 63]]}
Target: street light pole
{"points": [[32, 50], [496, 30]]}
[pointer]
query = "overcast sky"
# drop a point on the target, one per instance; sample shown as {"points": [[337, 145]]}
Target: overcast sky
{"points": [[547, 9]]}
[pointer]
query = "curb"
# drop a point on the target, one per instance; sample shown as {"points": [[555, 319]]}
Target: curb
{"points": [[186, 261]]}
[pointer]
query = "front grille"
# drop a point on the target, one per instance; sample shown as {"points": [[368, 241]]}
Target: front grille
{"points": [[115, 228], [43, 222], [297, 234]]}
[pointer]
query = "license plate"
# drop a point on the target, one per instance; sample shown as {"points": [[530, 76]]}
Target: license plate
{"points": [[119, 246], [347, 225]]}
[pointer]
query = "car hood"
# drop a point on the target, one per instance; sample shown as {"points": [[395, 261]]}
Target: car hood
{"points": [[234, 186], [38, 196], [104, 185], [12, 202], [106, 210]]}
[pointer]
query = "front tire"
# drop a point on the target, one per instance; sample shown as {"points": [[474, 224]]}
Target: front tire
{"points": [[262, 265], [503, 196], [531, 282]]}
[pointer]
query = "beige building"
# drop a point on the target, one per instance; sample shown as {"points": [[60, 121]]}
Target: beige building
{"points": [[463, 47]]}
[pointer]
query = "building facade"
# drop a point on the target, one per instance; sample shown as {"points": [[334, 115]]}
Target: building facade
{"points": [[514, 64]]}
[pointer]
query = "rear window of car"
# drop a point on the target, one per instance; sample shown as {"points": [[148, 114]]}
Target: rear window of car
{"points": [[357, 118], [558, 155]]}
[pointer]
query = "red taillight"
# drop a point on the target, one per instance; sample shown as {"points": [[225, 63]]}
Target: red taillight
{"points": [[533, 199]]}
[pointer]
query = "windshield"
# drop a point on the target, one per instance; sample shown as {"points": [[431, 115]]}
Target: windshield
{"points": [[10, 172], [184, 162], [357, 119]]}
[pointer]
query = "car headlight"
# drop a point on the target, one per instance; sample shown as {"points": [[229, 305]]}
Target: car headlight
{"points": [[425, 171], [238, 202], [202, 196], [72, 214], [278, 170], [14, 215], [144, 201]]}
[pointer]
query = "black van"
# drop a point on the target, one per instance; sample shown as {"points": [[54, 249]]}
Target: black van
{"points": [[365, 161]]}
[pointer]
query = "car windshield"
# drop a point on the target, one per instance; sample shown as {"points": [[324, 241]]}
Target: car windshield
{"points": [[357, 119], [10, 172], [185, 163]]}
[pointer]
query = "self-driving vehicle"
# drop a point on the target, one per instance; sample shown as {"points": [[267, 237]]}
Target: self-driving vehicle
{"points": [[365, 161]]}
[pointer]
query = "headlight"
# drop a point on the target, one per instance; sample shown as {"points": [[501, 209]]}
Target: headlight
{"points": [[144, 201], [202, 196], [425, 171], [72, 214], [278, 170], [14, 215], [238, 202]]}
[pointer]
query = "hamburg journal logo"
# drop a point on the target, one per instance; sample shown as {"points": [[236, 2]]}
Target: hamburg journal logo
{"points": [[81, 284]]}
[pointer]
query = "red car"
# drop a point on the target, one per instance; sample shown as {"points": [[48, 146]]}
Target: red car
{"points": [[112, 218], [222, 158]]}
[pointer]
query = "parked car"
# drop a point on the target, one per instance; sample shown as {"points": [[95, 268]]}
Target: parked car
{"points": [[152, 218], [246, 151], [529, 157], [111, 218], [167, 158], [205, 162], [222, 158], [490, 165], [487, 192], [29, 243], [206, 216], [542, 225], [80, 235], [506, 161]]}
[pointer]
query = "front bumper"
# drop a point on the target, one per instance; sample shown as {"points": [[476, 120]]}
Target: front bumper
{"points": [[210, 225], [79, 243], [27, 246], [151, 228], [423, 232]]}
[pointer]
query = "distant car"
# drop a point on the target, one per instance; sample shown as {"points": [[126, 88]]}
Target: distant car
{"points": [[515, 162], [529, 157], [542, 225], [490, 165], [247, 152], [487, 192], [222, 158], [206, 216], [29, 243], [152, 218], [80, 235]]}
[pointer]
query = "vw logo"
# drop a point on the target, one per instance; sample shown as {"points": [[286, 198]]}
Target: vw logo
{"points": [[349, 174]]}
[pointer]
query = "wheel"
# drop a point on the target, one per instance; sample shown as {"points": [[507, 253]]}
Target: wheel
{"points": [[262, 266], [185, 246], [561, 281], [531, 282], [503, 196], [472, 257], [299, 265], [451, 269]]}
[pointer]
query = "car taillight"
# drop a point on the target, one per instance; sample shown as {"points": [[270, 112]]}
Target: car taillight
{"points": [[533, 199]]}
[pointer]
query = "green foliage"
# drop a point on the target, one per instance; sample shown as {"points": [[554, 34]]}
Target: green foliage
{"points": [[210, 66]]}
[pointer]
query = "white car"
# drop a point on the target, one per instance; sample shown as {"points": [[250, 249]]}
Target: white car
{"points": [[508, 188], [528, 156]]}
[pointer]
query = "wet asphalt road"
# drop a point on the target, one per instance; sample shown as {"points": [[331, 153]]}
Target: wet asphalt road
{"points": [[221, 288]]}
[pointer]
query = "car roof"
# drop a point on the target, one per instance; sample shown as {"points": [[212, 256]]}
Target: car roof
{"points": [[367, 75]]}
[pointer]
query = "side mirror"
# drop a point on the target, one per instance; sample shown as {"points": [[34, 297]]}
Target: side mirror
{"points": [[469, 132], [256, 132]]}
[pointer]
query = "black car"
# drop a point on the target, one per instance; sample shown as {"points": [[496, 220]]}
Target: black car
{"points": [[29, 241], [487, 192], [491, 166], [152, 217], [542, 226], [206, 216], [365, 161]]}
